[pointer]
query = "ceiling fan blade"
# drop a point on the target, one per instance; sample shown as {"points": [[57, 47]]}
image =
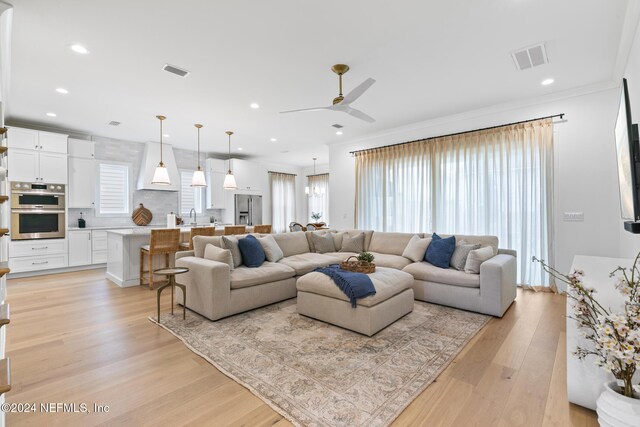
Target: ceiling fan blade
{"points": [[360, 115], [305, 109], [358, 91]]}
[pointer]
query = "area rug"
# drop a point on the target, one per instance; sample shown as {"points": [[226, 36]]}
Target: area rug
{"points": [[316, 374]]}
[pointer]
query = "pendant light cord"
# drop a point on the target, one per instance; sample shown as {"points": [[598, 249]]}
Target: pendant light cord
{"points": [[161, 118]]}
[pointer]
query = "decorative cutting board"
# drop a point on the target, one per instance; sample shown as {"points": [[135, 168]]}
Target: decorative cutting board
{"points": [[142, 215]]}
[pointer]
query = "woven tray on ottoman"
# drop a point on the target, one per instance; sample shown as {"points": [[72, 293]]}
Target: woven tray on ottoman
{"points": [[321, 299]]}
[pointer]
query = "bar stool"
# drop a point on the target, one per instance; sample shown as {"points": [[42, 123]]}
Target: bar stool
{"points": [[197, 231], [164, 241], [262, 229], [231, 230]]}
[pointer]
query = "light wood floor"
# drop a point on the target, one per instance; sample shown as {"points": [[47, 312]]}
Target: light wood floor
{"points": [[76, 337]]}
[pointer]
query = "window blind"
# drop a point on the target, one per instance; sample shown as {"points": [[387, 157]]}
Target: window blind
{"points": [[190, 197], [113, 197]]}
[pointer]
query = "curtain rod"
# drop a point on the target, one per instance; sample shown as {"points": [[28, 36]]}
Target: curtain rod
{"points": [[318, 174], [283, 173], [561, 115]]}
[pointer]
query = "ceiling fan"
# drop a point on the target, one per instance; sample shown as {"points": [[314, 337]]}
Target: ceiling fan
{"points": [[343, 103]]}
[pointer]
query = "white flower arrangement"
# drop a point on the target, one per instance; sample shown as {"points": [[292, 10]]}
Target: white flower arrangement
{"points": [[614, 337]]}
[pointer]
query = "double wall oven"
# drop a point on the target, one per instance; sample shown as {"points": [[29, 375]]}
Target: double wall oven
{"points": [[37, 211]]}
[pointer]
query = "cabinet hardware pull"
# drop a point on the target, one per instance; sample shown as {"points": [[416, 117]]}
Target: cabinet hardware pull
{"points": [[43, 247], [39, 263]]}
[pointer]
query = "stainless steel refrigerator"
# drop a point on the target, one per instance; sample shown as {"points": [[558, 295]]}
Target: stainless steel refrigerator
{"points": [[248, 209]]}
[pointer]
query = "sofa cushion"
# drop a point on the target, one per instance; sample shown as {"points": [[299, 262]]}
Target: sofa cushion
{"points": [[476, 258], [309, 235], [392, 261], [389, 243], [214, 253], [243, 277], [271, 249], [416, 248], [448, 276], [322, 243], [201, 242], [440, 250], [339, 235], [305, 263], [231, 243], [252, 253], [484, 241], [340, 256], [387, 281], [459, 257], [352, 243], [293, 243]]}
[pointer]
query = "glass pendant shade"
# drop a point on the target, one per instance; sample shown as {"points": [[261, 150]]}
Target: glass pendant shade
{"points": [[198, 179], [161, 176], [229, 182]]}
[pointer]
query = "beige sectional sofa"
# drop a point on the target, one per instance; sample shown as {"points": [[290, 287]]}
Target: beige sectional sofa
{"points": [[216, 291]]}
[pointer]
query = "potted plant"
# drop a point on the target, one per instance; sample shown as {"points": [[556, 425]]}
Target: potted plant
{"points": [[613, 340], [316, 216]]}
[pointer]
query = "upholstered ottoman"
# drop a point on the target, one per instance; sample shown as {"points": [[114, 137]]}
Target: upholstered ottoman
{"points": [[320, 298]]}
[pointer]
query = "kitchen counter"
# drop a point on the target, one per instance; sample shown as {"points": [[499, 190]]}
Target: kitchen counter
{"points": [[123, 252], [123, 227]]}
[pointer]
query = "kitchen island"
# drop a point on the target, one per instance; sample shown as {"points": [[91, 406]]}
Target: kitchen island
{"points": [[123, 253]]}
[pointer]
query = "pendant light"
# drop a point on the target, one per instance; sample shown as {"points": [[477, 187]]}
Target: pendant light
{"points": [[198, 179], [161, 175], [315, 191], [229, 179]]}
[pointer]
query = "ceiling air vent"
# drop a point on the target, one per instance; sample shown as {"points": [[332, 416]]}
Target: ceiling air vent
{"points": [[530, 57], [337, 126], [114, 123], [175, 70]]}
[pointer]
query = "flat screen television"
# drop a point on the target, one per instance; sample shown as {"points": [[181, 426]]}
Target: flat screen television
{"points": [[628, 157]]}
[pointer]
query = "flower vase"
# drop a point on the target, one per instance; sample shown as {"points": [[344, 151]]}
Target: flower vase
{"points": [[617, 410]]}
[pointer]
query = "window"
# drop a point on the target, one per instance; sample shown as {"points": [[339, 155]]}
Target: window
{"points": [[495, 182], [190, 197], [318, 197], [283, 200], [113, 189]]}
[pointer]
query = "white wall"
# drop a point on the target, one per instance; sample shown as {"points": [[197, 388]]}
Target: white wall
{"points": [[585, 179], [630, 243]]}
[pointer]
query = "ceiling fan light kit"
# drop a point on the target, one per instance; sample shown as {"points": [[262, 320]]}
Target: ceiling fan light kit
{"points": [[343, 103]]}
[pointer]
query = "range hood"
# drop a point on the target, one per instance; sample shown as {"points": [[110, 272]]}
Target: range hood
{"points": [[150, 160]]}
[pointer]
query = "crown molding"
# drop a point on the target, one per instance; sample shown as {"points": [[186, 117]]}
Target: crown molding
{"points": [[485, 111]]}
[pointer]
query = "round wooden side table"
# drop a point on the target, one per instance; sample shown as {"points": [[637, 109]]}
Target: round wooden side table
{"points": [[171, 272]]}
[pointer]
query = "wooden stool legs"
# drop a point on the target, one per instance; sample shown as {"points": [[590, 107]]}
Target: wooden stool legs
{"points": [[149, 262]]}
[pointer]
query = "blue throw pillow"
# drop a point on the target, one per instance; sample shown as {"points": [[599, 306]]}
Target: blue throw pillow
{"points": [[252, 252], [440, 251]]}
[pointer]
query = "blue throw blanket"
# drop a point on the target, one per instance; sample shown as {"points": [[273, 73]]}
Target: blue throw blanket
{"points": [[354, 285]]}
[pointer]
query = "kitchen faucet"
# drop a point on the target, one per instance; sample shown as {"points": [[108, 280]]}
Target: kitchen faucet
{"points": [[195, 219]]}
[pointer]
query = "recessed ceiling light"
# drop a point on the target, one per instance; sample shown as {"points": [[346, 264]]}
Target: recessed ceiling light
{"points": [[51, 114], [254, 105], [273, 139], [339, 132], [166, 135], [547, 82], [78, 48], [62, 90], [239, 148]]}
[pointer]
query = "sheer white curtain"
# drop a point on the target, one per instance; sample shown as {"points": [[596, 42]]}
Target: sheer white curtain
{"points": [[283, 200], [497, 182], [319, 197]]}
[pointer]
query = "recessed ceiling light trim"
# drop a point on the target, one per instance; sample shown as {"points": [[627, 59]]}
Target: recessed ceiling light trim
{"points": [[78, 48], [52, 114], [62, 90], [547, 82], [339, 132], [273, 139], [254, 105], [176, 70]]}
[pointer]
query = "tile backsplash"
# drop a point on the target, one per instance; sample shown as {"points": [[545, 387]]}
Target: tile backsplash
{"points": [[160, 203]]}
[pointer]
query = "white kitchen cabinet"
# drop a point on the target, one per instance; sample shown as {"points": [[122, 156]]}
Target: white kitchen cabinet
{"points": [[23, 138], [249, 176], [216, 196], [82, 182], [98, 246], [52, 142], [82, 148], [79, 247], [53, 167], [37, 166], [34, 255], [29, 139], [24, 165], [216, 165]]}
